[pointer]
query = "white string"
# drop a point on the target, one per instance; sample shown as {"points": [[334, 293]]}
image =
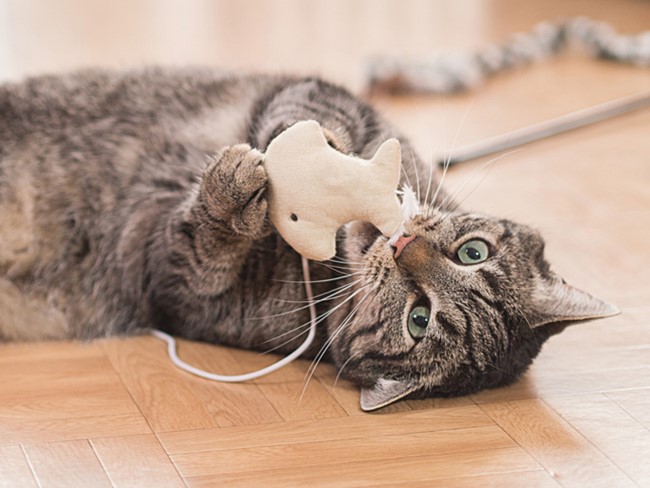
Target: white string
{"points": [[171, 345]]}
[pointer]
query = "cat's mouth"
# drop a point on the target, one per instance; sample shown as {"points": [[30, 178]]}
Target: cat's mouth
{"points": [[360, 237]]}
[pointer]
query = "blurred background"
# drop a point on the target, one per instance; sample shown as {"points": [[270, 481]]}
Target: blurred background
{"points": [[329, 37], [334, 39]]}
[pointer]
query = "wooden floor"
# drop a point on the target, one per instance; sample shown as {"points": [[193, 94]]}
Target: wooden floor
{"points": [[116, 412]]}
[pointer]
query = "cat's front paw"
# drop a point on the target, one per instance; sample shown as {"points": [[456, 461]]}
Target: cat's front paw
{"points": [[234, 188]]}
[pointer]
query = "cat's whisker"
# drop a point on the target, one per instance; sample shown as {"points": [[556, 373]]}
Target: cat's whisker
{"points": [[450, 199], [348, 264], [447, 159], [281, 314], [300, 333], [338, 373], [320, 318], [405, 173], [445, 168], [304, 327], [443, 207], [523, 315], [337, 291], [287, 312], [336, 278], [417, 174], [414, 164], [328, 295], [352, 295], [328, 343], [301, 329], [426, 195], [335, 294], [423, 123], [341, 270], [341, 259], [334, 264], [354, 268]]}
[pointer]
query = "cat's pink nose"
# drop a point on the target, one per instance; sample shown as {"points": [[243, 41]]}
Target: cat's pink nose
{"points": [[400, 244]]}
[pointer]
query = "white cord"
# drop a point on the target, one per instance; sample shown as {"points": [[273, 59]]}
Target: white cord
{"points": [[171, 345]]}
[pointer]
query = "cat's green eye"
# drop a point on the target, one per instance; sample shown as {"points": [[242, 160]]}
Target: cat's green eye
{"points": [[473, 252], [419, 321]]}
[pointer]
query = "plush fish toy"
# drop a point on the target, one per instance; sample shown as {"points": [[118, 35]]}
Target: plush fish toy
{"points": [[315, 189]]}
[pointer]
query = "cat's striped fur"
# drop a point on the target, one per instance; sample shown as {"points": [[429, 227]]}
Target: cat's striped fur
{"points": [[135, 200]]}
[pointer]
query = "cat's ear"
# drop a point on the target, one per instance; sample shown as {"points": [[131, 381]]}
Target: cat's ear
{"points": [[384, 392], [556, 301]]}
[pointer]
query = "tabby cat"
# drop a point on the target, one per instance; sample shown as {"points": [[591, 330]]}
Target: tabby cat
{"points": [[133, 200]]}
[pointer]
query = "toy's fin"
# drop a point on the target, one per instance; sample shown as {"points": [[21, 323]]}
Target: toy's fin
{"points": [[387, 161]]}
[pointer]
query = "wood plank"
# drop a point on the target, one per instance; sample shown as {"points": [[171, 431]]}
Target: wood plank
{"points": [[369, 448], [323, 429], [629, 330], [83, 376], [136, 461], [250, 402], [14, 468], [537, 383], [71, 464], [53, 429], [634, 402], [371, 473], [290, 402], [68, 393], [166, 396], [555, 444], [236, 404], [528, 479], [607, 245], [228, 403], [15, 352], [607, 426], [560, 362], [66, 403]]}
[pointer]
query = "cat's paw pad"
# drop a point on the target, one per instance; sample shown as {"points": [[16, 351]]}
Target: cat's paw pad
{"points": [[235, 186]]}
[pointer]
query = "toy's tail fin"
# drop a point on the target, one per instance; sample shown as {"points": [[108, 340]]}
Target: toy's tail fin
{"points": [[387, 161]]}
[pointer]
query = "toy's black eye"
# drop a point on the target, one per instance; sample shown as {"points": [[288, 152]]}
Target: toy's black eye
{"points": [[473, 252], [294, 217], [419, 321]]}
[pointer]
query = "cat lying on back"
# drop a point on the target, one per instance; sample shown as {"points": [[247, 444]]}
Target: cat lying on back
{"points": [[133, 200]]}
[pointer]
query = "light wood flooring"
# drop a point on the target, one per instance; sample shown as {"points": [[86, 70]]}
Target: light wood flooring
{"points": [[117, 413]]}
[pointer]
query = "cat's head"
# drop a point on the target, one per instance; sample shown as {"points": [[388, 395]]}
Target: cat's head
{"points": [[465, 302]]}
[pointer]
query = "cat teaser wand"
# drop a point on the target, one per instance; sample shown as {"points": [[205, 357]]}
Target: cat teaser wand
{"points": [[548, 128], [313, 190]]}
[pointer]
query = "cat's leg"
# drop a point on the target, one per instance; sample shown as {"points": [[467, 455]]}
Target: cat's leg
{"points": [[232, 197], [194, 257]]}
